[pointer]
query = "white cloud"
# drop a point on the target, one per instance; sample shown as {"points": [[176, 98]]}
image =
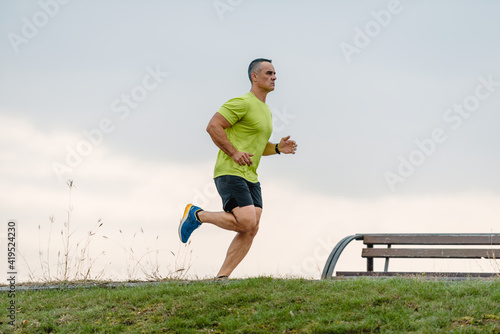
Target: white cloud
{"points": [[130, 193]]}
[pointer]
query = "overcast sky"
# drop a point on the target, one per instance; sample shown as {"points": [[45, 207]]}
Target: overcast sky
{"points": [[394, 104]]}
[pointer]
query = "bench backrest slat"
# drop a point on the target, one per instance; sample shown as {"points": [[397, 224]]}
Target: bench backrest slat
{"points": [[432, 239], [431, 253]]}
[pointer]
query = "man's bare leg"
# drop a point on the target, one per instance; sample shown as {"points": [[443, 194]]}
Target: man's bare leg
{"points": [[245, 221], [241, 219], [237, 251], [239, 247]]}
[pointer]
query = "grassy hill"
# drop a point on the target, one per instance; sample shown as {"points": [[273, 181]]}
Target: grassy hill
{"points": [[262, 305]]}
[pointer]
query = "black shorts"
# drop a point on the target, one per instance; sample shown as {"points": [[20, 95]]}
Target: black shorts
{"points": [[235, 192]]}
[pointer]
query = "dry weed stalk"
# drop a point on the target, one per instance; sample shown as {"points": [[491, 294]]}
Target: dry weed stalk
{"points": [[73, 263], [494, 263], [149, 261]]}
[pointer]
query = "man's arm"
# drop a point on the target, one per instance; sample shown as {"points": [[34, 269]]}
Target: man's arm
{"points": [[216, 128], [285, 145]]}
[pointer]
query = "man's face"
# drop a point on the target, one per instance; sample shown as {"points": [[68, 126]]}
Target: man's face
{"points": [[266, 77]]}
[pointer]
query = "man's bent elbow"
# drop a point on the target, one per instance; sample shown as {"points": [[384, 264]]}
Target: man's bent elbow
{"points": [[212, 128], [209, 126]]}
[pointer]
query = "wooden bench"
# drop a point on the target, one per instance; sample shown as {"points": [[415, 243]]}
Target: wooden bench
{"points": [[431, 246]]}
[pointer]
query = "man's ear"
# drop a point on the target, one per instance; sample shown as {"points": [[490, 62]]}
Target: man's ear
{"points": [[253, 75]]}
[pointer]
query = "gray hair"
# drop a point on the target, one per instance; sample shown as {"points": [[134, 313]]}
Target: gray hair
{"points": [[255, 66]]}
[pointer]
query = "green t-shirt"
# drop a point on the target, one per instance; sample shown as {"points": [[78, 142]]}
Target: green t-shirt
{"points": [[251, 127]]}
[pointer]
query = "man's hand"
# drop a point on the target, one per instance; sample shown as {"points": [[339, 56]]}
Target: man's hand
{"points": [[243, 158], [287, 146]]}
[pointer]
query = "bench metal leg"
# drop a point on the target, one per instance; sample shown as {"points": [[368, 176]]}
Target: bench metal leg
{"points": [[386, 266], [369, 261], [335, 254]]}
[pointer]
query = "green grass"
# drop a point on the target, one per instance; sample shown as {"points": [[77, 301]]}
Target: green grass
{"points": [[263, 305]]}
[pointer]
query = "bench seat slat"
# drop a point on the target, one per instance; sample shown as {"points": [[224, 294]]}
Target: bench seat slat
{"points": [[430, 253], [420, 274], [432, 239]]}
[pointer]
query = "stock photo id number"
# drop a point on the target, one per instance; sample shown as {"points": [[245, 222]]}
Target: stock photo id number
{"points": [[11, 270]]}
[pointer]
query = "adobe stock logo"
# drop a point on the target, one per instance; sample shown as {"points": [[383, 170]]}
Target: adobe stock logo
{"points": [[122, 107], [314, 262], [31, 27], [281, 119], [371, 29], [454, 116], [223, 6]]}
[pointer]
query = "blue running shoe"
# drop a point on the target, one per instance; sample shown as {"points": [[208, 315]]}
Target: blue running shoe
{"points": [[189, 222]]}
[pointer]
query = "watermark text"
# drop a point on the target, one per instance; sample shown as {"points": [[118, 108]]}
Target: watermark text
{"points": [[30, 27], [121, 107], [11, 270], [454, 118]]}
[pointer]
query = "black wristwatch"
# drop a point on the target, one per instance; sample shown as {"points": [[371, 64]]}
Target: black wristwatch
{"points": [[277, 149]]}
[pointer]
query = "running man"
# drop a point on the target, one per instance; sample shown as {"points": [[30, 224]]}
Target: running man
{"points": [[241, 129]]}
